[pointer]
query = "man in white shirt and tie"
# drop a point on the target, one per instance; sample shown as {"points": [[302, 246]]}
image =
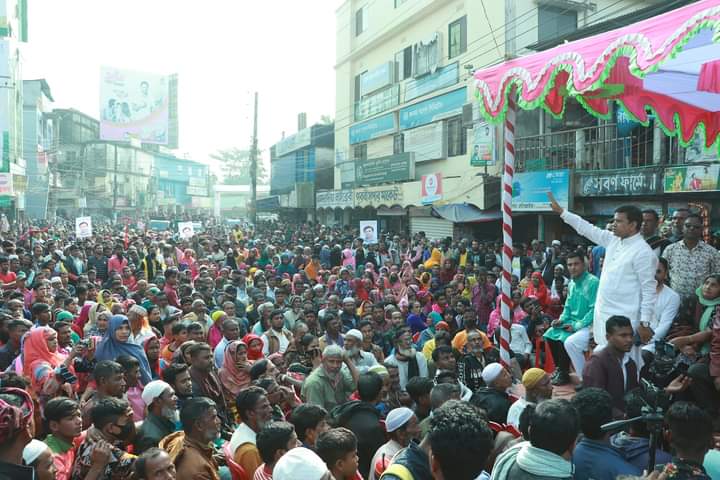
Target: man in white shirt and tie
{"points": [[627, 283]]}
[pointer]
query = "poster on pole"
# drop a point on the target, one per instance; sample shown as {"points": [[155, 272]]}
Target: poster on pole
{"points": [[83, 227], [186, 230], [368, 231], [483, 152]]}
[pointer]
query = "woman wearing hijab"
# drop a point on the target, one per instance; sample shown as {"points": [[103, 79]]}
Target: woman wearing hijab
{"points": [[83, 318], [254, 346], [429, 333], [348, 258], [215, 332], [235, 374], [435, 259], [105, 298], [116, 343], [41, 358], [448, 271], [151, 345], [538, 290], [416, 319]]}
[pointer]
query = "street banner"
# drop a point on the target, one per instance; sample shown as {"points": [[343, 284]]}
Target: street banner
{"points": [[431, 188], [368, 231], [186, 229], [692, 179], [6, 184], [83, 227]]}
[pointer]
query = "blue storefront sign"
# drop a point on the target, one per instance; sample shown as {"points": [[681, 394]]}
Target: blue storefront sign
{"points": [[444, 77], [433, 109], [376, 127], [529, 191], [376, 78]]}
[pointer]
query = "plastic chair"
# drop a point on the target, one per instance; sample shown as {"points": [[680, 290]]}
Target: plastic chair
{"points": [[237, 471]]}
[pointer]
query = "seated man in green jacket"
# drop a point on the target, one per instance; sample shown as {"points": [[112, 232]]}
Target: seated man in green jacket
{"points": [[569, 335]]}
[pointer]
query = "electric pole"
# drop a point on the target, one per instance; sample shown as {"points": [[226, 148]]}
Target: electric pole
{"points": [[253, 166]]}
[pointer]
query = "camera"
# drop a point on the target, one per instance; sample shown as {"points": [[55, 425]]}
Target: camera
{"points": [[668, 364]]}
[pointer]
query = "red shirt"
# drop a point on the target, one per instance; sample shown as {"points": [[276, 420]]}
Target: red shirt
{"points": [[115, 265], [172, 296], [8, 277]]}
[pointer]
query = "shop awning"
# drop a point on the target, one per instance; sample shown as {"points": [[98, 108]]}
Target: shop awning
{"points": [[465, 213], [668, 64]]}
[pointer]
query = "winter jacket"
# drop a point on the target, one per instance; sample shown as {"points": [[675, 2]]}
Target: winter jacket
{"points": [[635, 450], [411, 463]]}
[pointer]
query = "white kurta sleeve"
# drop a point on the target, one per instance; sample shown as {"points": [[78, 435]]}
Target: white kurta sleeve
{"points": [[645, 264], [667, 316], [586, 229]]}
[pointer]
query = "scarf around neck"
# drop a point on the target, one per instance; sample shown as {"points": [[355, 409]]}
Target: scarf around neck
{"points": [[532, 460]]}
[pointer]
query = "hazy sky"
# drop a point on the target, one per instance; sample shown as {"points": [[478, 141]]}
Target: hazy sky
{"points": [[223, 50]]}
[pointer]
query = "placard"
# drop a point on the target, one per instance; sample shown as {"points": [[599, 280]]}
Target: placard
{"points": [[186, 229], [83, 227], [368, 231]]}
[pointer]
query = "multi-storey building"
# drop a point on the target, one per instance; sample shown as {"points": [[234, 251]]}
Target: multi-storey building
{"points": [[411, 148]]}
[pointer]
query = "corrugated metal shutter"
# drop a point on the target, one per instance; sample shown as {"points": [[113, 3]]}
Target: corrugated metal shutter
{"points": [[434, 228]]}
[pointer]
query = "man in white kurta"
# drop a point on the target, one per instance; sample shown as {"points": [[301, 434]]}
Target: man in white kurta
{"points": [[627, 282]]}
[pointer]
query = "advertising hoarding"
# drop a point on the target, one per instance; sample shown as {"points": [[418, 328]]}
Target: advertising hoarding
{"points": [[692, 179], [393, 168], [529, 191], [432, 109], [134, 105]]}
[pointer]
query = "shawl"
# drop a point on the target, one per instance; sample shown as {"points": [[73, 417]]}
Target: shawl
{"points": [[252, 353], [215, 332], [231, 377], [435, 258], [417, 323], [533, 460], [35, 352], [110, 348], [84, 316], [348, 258]]}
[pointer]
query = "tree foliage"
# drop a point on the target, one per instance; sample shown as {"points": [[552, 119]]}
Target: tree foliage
{"points": [[235, 166]]}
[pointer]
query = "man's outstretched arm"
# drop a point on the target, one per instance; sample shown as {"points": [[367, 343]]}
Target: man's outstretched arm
{"points": [[584, 228]]}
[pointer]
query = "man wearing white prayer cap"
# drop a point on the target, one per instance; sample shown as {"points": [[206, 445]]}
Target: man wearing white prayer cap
{"points": [[300, 463], [38, 455], [162, 415], [493, 398], [362, 360], [402, 427]]}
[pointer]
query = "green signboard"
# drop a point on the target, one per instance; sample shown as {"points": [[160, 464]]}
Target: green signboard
{"points": [[5, 160], [390, 169]]}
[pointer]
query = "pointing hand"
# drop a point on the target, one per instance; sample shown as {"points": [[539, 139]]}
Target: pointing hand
{"points": [[553, 203]]}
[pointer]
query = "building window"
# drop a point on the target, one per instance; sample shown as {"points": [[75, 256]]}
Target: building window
{"points": [[457, 137], [554, 22], [357, 86], [398, 144], [457, 37], [399, 3], [361, 20], [360, 152], [403, 64]]}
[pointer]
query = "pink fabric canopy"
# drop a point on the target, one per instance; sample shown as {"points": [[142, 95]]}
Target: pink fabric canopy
{"points": [[669, 64]]}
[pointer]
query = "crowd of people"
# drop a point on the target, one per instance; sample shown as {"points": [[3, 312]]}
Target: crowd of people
{"points": [[298, 351]]}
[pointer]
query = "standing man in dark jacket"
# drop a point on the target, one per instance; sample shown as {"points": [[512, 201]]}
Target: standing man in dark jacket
{"points": [[100, 263], [363, 418]]}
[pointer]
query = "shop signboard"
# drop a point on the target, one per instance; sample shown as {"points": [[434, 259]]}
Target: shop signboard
{"points": [[608, 183], [378, 102], [377, 78], [390, 169], [443, 77], [433, 109], [375, 197], [529, 191], [692, 178], [335, 199], [374, 128], [301, 139]]}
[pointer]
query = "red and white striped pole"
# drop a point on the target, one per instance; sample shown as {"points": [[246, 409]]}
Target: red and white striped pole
{"points": [[507, 254]]}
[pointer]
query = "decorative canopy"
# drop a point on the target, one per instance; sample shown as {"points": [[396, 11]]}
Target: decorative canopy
{"points": [[669, 65]]}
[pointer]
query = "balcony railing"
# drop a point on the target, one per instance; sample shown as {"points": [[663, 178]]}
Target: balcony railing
{"points": [[597, 148]]}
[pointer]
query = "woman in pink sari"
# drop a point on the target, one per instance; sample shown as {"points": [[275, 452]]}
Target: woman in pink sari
{"points": [[518, 314]]}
